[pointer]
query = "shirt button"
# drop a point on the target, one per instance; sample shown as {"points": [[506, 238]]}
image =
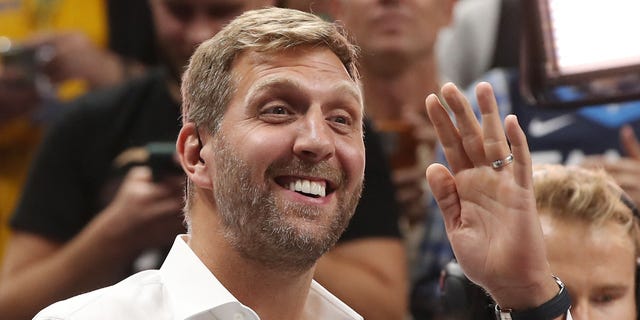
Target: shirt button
{"points": [[238, 316]]}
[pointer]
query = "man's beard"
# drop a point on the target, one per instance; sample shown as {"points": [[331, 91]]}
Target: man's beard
{"points": [[257, 223]]}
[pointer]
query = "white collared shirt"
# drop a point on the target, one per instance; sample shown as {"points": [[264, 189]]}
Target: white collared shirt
{"points": [[182, 289]]}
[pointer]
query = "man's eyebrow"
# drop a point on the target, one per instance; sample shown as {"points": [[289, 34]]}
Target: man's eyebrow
{"points": [[613, 287], [270, 83]]}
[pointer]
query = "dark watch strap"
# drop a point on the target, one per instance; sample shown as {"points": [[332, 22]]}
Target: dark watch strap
{"points": [[549, 310]]}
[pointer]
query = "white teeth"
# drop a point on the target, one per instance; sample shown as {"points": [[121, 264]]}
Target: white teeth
{"points": [[308, 187], [318, 189]]}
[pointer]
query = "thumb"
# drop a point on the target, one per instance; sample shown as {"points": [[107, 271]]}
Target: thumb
{"points": [[444, 190]]}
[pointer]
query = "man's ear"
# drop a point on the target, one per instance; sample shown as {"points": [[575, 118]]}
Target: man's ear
{"points": [[190, 149]]}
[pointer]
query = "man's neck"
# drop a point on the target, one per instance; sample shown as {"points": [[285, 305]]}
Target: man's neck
{"points": [[273, 294], [394, 95]]}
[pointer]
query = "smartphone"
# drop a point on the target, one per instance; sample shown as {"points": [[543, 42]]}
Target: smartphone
{"points": [[580, 52], [162, 160], [19, 64]]}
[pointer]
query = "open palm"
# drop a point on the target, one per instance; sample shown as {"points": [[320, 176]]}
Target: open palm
{"points": [[490, 214]]}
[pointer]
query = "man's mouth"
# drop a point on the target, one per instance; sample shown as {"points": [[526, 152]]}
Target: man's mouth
{"points": [[313, 189], [310, 188]]}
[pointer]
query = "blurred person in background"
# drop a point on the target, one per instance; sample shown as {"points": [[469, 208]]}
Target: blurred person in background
{"points": [[50, 52], [104, 212], [398, 67], [398, 61]]}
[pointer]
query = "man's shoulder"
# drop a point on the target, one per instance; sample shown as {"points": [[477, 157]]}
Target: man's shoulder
{"points": [[141, 296]]}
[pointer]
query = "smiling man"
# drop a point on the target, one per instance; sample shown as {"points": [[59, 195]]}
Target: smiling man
{"points": [[286, 162], [272, 147]]}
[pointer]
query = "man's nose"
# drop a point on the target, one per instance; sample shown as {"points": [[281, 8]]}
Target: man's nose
{"points": [[314, 141]]}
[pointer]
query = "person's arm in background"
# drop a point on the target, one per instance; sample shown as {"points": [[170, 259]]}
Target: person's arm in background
{"points": [[369, 275], [626, 170], [490, 214], [39, 271], [72, 55], [16, 98], [411, 190], [40, 267], [368, 266], [59, 57]]}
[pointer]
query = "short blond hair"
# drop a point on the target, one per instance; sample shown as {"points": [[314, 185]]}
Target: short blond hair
{"points": [[592, 196], [207, 85]]}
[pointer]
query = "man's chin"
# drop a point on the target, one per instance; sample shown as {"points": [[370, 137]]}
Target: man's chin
{"points": [[291, 249]]}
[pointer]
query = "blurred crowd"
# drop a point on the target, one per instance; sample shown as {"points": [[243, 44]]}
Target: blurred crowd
{"points": [[91, 192]]}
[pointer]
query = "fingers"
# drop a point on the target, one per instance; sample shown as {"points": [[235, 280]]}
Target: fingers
{"points": [[494, 139], [522, 167], [625, 171], [139, 180], [466, 122], [443, 188], [630, 143], [469, 144], [447, 134]]}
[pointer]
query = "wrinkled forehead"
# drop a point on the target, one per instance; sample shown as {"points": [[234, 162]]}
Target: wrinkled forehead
{"points": [[316, 62]]}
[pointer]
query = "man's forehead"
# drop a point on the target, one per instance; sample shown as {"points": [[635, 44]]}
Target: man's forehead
{"points": [[259, 63], [323, 58]]}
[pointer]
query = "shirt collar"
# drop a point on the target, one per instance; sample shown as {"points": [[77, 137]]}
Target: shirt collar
{"points": [[321, 304], [192, 287], [194, 291]]}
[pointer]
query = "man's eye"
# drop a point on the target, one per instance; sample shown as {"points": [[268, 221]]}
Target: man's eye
{"points": [[604, 298], [277, 110], [341, 120]]}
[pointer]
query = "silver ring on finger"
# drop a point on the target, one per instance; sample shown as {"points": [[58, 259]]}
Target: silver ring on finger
{"points": [[500, 163]]}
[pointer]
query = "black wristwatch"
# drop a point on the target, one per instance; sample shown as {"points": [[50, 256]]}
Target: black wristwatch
{"points": [[549, 310]]}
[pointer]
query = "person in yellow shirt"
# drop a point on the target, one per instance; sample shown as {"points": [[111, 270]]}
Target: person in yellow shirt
{"points": [[50, 51]]}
